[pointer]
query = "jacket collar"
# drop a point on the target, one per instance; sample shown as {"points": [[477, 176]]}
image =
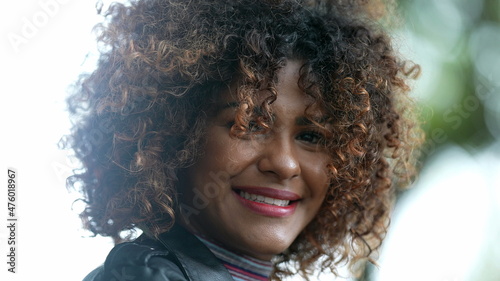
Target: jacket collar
{"points": [[197, 262]]}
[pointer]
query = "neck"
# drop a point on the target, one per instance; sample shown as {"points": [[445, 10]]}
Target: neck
{"points": [[241, 267]]}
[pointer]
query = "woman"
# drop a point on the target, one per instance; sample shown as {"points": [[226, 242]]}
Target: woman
{"points": [[248, 140]]}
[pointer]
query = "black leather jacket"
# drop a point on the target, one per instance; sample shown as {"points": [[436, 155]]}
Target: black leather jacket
{"points": [[176, 256]]}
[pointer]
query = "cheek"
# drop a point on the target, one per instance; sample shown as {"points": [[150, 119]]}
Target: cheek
{"points": [[317, 172], [227, 154]]}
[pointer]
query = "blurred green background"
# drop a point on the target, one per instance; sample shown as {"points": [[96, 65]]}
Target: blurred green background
{"points": [[457, 43], [447, 227]]}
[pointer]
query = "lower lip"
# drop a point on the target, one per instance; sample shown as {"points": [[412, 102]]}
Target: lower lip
{"points": [[266, 209]]}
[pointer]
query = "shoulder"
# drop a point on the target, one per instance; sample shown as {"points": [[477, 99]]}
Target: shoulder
{"points": [[133, 261], [177, 255]]}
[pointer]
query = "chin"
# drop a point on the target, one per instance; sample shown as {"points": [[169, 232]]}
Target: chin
{"points": [[266, 249]]}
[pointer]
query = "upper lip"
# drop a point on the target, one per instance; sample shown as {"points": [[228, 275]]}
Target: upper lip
{"points": [[270, 192]]}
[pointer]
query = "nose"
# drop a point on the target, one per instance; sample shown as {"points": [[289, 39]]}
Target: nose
{"points": [[279, 158]]}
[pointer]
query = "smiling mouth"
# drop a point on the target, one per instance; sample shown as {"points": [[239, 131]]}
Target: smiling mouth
{"points": [[264, 199], [268, 202]]}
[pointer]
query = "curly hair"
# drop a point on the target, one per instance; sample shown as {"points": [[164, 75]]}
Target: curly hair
{"points": [[140, 116]]}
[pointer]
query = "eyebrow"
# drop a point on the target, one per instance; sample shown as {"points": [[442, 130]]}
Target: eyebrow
{"points": [[304, 121], [217, 108]]}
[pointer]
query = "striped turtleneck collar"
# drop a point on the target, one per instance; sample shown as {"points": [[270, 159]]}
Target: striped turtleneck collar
{"points": [[241, 267]]}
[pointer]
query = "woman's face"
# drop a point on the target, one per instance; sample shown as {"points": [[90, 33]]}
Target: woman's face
{"points": [[255, 195]]}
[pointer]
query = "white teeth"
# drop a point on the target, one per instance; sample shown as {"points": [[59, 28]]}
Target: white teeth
{"points": [[264, 199]]}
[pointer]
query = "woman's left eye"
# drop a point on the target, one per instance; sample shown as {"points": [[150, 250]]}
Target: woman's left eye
{"points": [[311, 137]]}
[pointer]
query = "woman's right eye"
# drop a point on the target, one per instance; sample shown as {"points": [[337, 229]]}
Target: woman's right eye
{"points": [[254, 127]]}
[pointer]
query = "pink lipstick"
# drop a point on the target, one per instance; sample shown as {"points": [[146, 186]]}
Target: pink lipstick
{"points": [[267, 201]]}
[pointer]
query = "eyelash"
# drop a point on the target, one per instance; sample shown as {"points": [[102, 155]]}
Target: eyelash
{"points": [[252, 126], [317, 136]]}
